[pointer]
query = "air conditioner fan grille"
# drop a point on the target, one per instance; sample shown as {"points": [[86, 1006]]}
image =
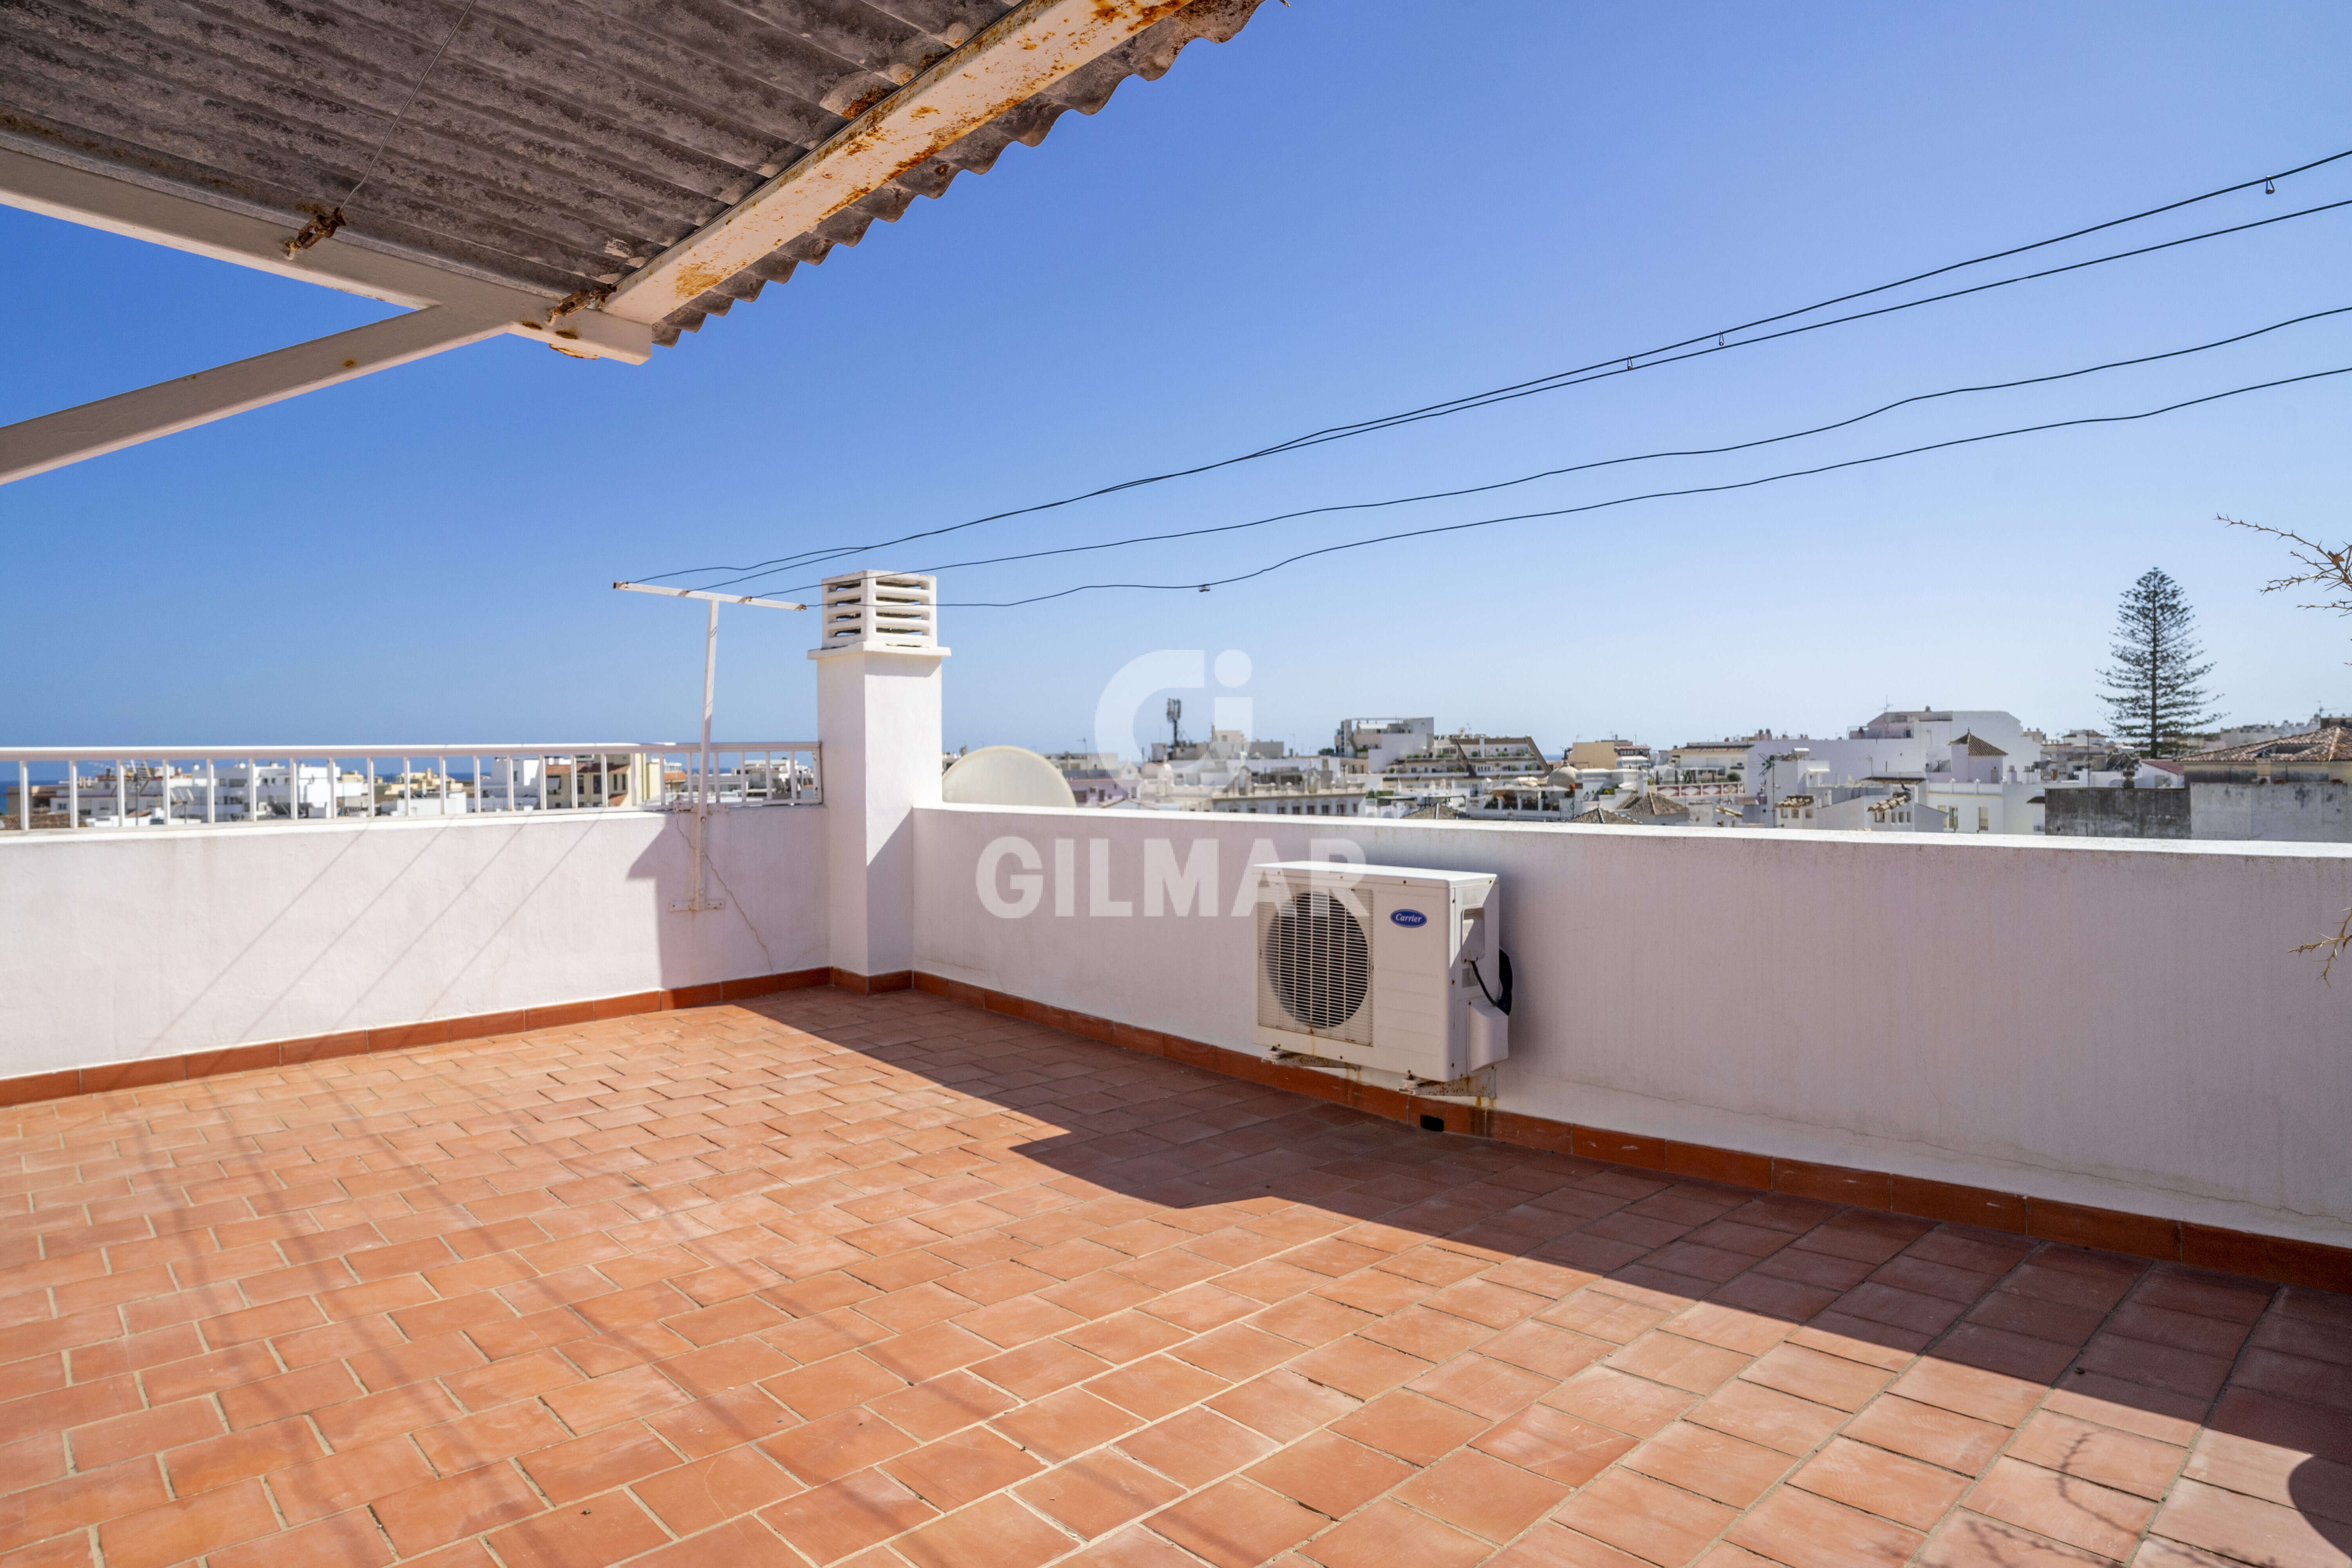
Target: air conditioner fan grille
{"points": [[1317, 960]]}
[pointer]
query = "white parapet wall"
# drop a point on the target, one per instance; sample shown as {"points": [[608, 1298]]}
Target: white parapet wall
{"points": [[152, 942], [2116, 1024]]}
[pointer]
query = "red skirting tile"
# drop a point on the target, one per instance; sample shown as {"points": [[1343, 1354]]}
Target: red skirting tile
{"points": [[435, 1033], [2307, 1263], [768, 984], [235, 1058], [1258, 1070], [2109, 1230], [630, 1006], [953, 990], [1834, 1183], [1471, 1121], [134, 1075], [1621, 1148], [1193, 1051], [266, 1054], [1958, 1205], [1092, 1027], [1535, 1133], [40, 1086], [1729, 1166], [872, 985], [1319, 1085], [1151, 1042], [482, 1025], [319, 1048]]}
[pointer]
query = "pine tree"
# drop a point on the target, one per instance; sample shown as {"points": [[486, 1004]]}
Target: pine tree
{"points": [[2152, 696]]}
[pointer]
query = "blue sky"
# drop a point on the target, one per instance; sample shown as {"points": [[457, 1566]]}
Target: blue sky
{"points": [[1351, 209]]}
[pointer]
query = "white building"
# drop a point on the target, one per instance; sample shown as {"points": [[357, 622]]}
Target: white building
{"points": [[1459, 765], [1099, 778], [229, 792], [2009, 807], [1932, 747], [1936, 730], [1973, 786], [1196, 777], [1708, 762], [1222, 745], [1381, 742], [1553, 799], [1298, 803]]}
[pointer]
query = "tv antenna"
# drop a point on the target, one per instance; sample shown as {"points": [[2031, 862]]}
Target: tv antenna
{"points": [[702, 797]]}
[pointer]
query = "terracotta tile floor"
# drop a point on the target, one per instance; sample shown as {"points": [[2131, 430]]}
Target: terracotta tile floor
{"points": [[889, 1281]]}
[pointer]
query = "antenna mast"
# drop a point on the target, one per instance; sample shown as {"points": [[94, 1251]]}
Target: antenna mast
{"points": [[698, 903]]}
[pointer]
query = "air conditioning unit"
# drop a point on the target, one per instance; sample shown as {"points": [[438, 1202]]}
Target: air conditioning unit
{"points": [[1383, 967]]}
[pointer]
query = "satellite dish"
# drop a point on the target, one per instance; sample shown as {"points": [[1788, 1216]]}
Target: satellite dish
{"points": [[1006, 775]]}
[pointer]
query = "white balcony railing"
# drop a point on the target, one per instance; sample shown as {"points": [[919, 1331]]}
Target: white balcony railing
{"points": [[92, 789]]}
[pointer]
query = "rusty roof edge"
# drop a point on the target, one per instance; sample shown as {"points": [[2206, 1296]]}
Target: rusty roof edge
{"points": [[866, 145], [291, 219], [1148, 54]]}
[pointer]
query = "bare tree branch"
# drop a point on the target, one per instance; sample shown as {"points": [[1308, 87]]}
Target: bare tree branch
{"points": [[2332, 946], [2331, 569]]}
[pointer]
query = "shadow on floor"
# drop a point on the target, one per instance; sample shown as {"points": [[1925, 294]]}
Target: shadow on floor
{"points": [[2001, 1325]]}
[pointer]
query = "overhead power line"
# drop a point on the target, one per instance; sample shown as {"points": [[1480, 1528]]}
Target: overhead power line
{"points": [[1622, 363], [1638, 457], [814, 557], [1203, 586]]}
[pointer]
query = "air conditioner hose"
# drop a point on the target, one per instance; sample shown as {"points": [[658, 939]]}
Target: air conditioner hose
{"points": [[1500, 1004]]}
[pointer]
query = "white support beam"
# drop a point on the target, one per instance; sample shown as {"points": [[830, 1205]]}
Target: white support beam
{"points": [[53, 440], [1020, 54], [449, 310], [119, 206]]}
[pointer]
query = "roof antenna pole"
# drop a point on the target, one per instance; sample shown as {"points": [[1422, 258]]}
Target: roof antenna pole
{"points": [[704, 793]]}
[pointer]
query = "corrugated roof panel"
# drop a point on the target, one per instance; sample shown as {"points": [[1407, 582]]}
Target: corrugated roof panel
{"points": [[558, 148]]}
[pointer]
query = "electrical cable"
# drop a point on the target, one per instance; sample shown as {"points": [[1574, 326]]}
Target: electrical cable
{"points": [[1637, 457], [1606, 366], [417, 86], [813, 558], [1200, 586], [1500, 1004], [325, 224]]}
